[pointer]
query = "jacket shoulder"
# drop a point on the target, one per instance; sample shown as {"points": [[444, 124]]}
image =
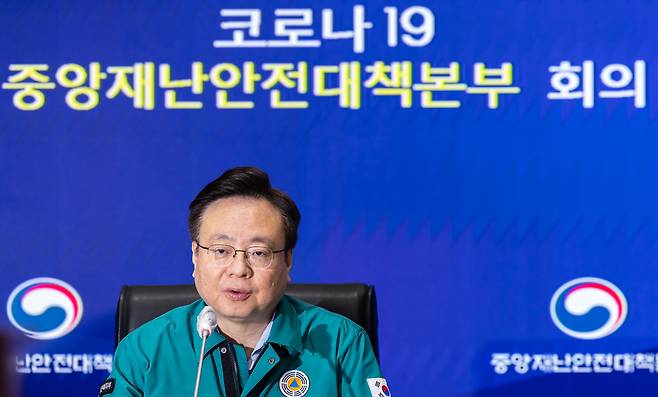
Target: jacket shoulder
{"points": [[312, 316], [175, 321]]}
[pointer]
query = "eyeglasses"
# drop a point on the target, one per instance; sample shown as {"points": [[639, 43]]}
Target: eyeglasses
{"points": [[257, 257]]}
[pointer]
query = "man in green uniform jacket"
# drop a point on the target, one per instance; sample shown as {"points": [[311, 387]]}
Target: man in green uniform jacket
{"points": [[243, 232]]}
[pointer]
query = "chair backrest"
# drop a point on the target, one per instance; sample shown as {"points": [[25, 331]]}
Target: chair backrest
{"points": [[139, 304]]}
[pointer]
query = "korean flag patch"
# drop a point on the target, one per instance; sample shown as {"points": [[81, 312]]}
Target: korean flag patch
{"points": [[378, 387]]}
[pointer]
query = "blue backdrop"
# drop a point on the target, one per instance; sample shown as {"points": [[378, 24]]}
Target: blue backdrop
{"points": [[467, 159]]}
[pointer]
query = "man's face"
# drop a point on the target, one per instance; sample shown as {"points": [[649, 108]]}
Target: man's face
{"points": [[238, 292]]}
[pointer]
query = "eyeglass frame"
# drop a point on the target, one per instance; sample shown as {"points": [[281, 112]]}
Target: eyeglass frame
{"points": [[246, 258]]}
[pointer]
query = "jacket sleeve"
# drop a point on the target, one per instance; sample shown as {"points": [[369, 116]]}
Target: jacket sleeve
{"points": [[360, 375], [128, 369]]}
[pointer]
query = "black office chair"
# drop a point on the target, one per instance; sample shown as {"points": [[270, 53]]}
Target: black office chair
{"points": [[139, 304]]}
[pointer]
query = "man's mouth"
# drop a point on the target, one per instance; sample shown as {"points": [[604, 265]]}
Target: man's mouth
{"points": [[237, 294]]}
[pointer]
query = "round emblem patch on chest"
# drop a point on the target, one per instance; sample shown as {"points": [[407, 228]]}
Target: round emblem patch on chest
{"points": [[294, 383]]}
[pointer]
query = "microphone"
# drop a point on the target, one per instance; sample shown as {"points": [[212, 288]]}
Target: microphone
{"points": [[206, 322]]}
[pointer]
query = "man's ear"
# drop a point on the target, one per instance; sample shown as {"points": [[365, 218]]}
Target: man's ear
{"points": [[195, 256], [289, 263]]}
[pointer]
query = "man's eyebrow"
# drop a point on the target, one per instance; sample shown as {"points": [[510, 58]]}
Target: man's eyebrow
{"points": [[220, 236], [263, 240], [257, 239]]}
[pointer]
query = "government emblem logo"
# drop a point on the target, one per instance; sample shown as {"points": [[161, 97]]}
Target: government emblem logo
{"points": [[44, 308], [588, 308]]}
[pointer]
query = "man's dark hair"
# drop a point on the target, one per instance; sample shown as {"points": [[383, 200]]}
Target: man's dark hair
{"points": [[245, 182]]}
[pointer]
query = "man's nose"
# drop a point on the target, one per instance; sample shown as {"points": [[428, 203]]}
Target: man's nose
{"points": [[239, 266]]}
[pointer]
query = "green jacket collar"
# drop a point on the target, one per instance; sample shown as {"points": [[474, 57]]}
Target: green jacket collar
{"points": [[285, 329]]}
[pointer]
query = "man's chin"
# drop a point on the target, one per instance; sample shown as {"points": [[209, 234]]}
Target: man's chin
{"points": [[236, 312]]}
